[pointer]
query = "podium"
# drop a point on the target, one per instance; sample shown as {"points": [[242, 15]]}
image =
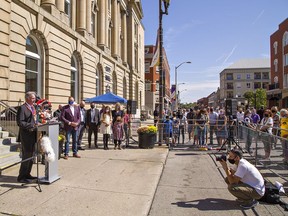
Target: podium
{"points": [[51, 168]]}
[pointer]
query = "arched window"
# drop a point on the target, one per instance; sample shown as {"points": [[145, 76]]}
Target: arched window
{"points": [[275, 46], [285, 39], [114, 83], [33, 66], [124, 88], [74, 78]]}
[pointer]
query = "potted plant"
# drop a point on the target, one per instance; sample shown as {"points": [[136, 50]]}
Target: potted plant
{"points": [[147, 136]]}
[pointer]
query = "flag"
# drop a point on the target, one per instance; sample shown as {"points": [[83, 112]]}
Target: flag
{"points": [[156, 57]]}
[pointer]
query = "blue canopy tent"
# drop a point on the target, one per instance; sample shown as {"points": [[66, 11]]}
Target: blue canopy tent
{"points": [[108, 98]]}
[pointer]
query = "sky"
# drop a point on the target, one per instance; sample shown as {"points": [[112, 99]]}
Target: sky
{"points": [[212, 34]]}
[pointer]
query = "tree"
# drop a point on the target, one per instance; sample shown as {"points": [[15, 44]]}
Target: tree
{"points": [[257, 98]]}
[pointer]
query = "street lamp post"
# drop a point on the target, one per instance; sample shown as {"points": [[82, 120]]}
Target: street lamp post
{"points": [[176, 87], [162, 87]]}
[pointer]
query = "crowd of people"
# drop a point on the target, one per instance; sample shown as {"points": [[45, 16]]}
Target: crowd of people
{"points": [[203, 125]]}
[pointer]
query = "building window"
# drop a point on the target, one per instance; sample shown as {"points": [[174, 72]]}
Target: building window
{"points": [[285, 81], [238, 76], [97, 83], [275, 46], [285, 39], [136, 58], [157, 69], [276, 65], [157, 85], [257, 85], [32, 66], [248, 76], [110, 35], [230, 86], [229, 76], [230, 95], [148, 86], [147, 67], [109, 5], [265, 85], [67, 8], [257, 76], [238, 85], [286, 59], [248, 85], [124, 88], [74, 78], [265, 75]]}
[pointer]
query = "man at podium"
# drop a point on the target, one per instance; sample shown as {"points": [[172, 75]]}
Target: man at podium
{"points": [[26, 120]]}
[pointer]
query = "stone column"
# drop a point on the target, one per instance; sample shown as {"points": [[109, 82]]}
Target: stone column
{"points": [[81, 17], [60, 5], [115, 30], [48, 5], [73, 14], [101, 31], [124, 35], [88, 16]]}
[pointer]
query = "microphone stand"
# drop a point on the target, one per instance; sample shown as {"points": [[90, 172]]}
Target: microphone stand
{"points": [[37, 148]]}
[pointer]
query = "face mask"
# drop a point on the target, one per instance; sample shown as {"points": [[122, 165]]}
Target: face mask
{"points": [[232, 161], [266, 115], [92, 106], [70, 102]]}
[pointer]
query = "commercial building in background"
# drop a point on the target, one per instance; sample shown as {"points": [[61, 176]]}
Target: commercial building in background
{"points": [[152, 79], [277, 93], [242, 76], [60, 48]]}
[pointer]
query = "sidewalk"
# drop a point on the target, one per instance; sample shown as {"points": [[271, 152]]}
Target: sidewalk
{"points": [[114, 182]]}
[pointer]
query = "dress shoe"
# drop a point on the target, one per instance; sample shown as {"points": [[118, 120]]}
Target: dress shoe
{"points": [[31, 177], [80, 148], [65, 157], [76, 155], [24, 181]]}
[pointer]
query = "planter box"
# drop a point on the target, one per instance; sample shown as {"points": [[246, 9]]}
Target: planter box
{"points": [[147, 140]]}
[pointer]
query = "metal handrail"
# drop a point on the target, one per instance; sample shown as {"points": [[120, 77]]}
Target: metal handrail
{"points": [[8, 119]]}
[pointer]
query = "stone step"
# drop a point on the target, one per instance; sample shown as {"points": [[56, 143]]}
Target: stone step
{"points": [[9, 160], [4, 134], [14, 147], [7, 140]]}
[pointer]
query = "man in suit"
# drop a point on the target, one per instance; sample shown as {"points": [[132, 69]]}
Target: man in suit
{"points": [[26, 120], [93, 122], [70, 115], [82, 125]]}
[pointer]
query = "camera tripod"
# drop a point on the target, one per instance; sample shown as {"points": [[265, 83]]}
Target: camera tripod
{"points": [[230, 140]]}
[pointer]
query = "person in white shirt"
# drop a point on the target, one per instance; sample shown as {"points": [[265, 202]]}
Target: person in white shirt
{"points": [[246, 182], [240, 119]]}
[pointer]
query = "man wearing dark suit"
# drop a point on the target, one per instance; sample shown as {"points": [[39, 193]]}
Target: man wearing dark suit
{"points": [[26, 120], [93, 122], [70, 115], [82, 125]]}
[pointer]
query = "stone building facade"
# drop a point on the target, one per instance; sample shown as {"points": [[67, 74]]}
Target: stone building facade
{"points": [[80, 48]]}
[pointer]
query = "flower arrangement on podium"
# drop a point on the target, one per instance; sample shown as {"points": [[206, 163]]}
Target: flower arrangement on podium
{"points": [[147, 136], [44, 112]]}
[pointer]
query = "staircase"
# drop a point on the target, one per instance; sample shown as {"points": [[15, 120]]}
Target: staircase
{"points": [[9, 148]]}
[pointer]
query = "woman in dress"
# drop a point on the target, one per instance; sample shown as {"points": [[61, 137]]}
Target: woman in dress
{"points": [[105, 127]]}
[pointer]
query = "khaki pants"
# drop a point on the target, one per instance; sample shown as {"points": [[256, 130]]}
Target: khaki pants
{"points": [[242, 191]]}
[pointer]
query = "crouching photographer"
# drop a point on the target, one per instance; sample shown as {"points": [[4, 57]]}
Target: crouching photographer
{"points": [[246, 183]]}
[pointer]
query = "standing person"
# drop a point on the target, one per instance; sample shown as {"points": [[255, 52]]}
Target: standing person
{"points": [[168, 129], [266, 126], [57, 113], [255, 117], [240, 119], [156, 116], [248, 130], [221, 127], [246, 182], [118, 132], [190, 121], [276, 123], [93, 122], [105, 127], [82, 125], [284, 133], [212, 124], [117, 112], [261, 112], [26, 120], [70, 115], [102, 110], [126, 122], [175, 124], [182, 127]]}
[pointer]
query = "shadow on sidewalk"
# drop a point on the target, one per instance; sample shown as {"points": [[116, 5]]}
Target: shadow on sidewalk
{"points": [[210, 204]]}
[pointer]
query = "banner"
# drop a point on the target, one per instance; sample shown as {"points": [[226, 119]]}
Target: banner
{"points": [[156, 57]]}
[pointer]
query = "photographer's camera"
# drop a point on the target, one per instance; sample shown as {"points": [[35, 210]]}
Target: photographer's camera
{"points": [[222, 157]]}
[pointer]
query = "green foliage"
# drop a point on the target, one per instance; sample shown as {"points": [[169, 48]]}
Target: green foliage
{"points": [[257, 98]]}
